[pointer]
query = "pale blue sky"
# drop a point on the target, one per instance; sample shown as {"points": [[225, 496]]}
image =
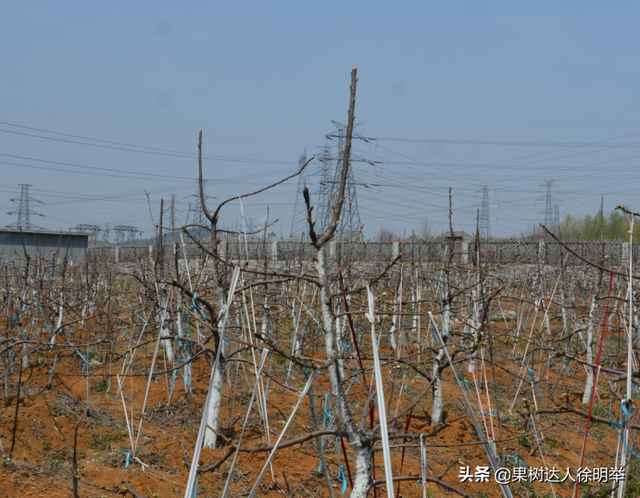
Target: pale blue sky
{"points": [[540, 81]]}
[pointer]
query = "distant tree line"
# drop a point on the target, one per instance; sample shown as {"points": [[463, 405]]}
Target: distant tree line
{"points": [[614, 225]]}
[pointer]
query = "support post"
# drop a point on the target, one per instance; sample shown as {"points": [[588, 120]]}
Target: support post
{"points": [[396, 249]]}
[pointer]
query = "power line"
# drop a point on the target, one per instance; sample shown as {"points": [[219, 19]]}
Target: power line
{"points": [[126, 174], [506, 142], [106, 144]]}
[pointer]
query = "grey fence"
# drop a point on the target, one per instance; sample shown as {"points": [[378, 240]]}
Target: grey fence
{"points": [[611, 253]]}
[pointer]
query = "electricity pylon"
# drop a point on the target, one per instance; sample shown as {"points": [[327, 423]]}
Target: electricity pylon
{"points": [[24, 212]]}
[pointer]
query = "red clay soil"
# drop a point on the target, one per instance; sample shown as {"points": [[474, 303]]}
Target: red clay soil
{"points": [[41, 461]]}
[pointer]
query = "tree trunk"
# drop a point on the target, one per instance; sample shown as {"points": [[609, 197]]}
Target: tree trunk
{"points": [[186, 369], [588, 387], [213, 416], [165, 336], [60, 317], [394, 324], [438, 403], [362, 483]]}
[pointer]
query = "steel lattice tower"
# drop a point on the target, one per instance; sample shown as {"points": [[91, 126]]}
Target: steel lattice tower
{"points": [[85, 228], [92, 230], [299, 223], [24, 212], [485, 219], [548, 204], [198, 213], [125, 233], [332, 160]]}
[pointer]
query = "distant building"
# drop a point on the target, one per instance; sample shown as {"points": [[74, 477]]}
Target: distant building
{"points": [[458, 236], [42, 242], [272, 237]]}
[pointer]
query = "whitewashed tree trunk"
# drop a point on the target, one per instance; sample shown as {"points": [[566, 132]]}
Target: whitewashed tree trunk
{"points": [[165, 335], [25, 355], [186, 369], [56, 330], [565, 320], [547, 324], [340, 328], [394, 324], [89, 302], [297, 338], [265, 317], [414, 318], [362, 482], [438, 403], [213, 415], [83, 313], [636, 323], [588, 387]]}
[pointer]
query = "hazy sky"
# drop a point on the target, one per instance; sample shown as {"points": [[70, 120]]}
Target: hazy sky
{"points": [[102, 101]]}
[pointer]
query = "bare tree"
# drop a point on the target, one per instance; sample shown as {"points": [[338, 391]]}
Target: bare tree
{"points": [[425, 230], [385, 235], [221, 282], [357, 438]]}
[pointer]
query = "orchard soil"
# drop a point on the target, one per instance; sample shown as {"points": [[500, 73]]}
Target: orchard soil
{"points": [[48, 415]]}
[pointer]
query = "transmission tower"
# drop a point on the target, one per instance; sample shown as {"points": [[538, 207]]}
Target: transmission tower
{"points": [[92, 230], [125, 234], [549, 209], [299, 223], [105, 233], [198, 213], [484, 216], [485, 219], [81, 227], [332, 160], [24, 212]]}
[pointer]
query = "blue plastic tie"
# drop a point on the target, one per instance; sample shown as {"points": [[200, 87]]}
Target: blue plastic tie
{"points": [[197, 307], [128, 458], [195, 488], [628, 413], [344, 479], [173, 384]]}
